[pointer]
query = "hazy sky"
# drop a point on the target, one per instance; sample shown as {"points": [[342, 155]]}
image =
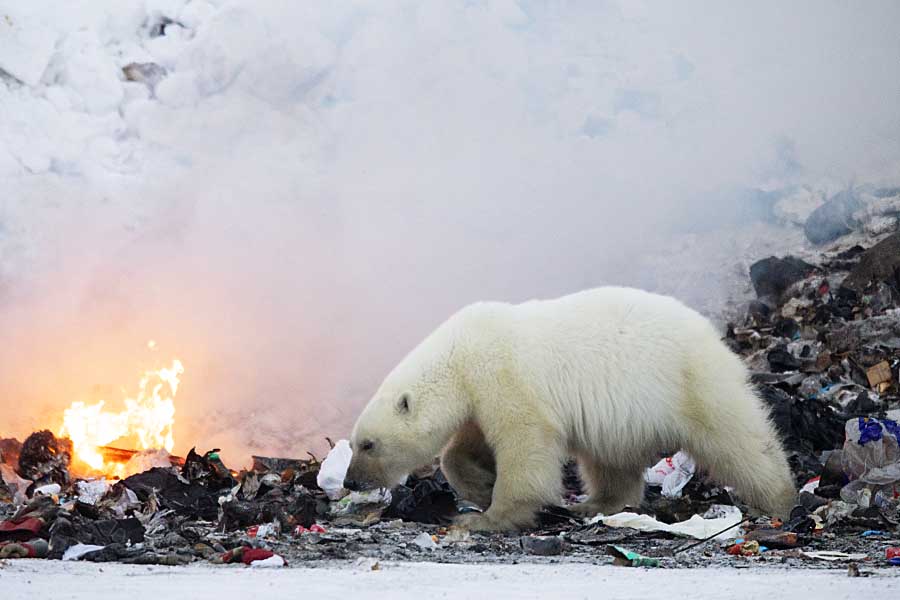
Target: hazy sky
{"points": [[315, 186]]}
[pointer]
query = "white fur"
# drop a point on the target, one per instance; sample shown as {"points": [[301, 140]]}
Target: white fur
{"points": [[610, 375]]}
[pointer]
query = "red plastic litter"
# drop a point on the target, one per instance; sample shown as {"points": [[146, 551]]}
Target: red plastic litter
{"points": [[893, 552], [253, 554], [20, 531], [314, 528]]}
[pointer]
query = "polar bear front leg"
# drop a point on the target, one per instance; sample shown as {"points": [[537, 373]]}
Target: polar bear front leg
{"points": [[468, 463], [529, 462]]}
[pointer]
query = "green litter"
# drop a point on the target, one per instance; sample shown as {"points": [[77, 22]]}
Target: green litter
{"points": [[627, 558]]}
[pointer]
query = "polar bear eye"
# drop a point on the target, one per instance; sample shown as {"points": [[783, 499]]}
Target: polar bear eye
{"points": [[367, 445], [403, 403]]}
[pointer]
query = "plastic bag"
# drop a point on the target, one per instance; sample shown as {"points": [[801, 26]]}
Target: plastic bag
{"points": [[871, 461], [334, 469], [672, 474]]}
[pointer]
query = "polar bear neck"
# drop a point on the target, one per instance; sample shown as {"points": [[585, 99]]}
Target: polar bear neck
{"points": [[433, 372]]}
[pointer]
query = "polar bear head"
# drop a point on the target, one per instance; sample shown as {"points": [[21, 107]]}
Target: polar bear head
{"points": [[406, 424]]}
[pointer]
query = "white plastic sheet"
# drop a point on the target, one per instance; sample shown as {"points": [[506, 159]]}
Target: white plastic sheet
{"points": [[78, 550], [696, 527]]}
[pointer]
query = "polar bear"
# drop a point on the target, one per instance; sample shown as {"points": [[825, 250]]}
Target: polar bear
{"points": [[611, 376]]}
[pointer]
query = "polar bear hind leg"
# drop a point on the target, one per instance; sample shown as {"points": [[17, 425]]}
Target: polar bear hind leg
{"points": [[610, 488], [733, 439]]}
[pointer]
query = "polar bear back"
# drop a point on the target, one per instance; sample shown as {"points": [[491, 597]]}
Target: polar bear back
{"points": [[615, 367]]}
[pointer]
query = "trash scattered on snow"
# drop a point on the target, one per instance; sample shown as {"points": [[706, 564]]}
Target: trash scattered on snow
{"points": [[78, 550], [334, 470], [34, 548], [696, 527], [832, 556], [871, 461], [425, 542], [824, 355], [255, 557], [542, 545], [626, 558], [268, 563], [742, 547], [367, 564], [672, 474]]}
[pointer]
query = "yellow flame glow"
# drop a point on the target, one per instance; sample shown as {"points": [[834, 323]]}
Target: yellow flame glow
{"points": [[148, 418]]}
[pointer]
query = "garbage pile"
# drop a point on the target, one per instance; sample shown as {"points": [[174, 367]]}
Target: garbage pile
{"points": [[822, 340], [823, 345], [197, 509], [286, 511]]}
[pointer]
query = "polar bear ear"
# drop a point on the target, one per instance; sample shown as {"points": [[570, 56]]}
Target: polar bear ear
{"points": [[403, 403]]}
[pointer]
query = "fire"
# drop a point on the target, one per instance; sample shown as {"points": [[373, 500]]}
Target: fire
{"points": [[148, 419]]}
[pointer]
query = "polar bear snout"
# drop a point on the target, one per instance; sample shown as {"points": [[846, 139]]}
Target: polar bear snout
{"points": [[355, 482], [352, 485], [363, 476]]}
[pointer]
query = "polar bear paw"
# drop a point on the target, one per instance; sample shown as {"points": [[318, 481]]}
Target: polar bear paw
{"points": [[488, 522]]}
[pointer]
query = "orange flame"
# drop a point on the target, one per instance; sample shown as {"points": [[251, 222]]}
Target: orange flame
{"points": [[148, 419]]}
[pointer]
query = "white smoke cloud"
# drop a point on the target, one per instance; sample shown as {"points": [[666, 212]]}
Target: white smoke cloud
{"points": [[313, 187]]}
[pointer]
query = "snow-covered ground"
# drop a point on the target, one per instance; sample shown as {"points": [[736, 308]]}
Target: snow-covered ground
{"points": [[77, 581], [292, 194]]}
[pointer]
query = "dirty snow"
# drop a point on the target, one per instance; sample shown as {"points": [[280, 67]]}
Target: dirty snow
{"points": [[71, 581]]}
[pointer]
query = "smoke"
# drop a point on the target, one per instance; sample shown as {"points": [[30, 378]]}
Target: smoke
{"points": [[310, 190]]}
